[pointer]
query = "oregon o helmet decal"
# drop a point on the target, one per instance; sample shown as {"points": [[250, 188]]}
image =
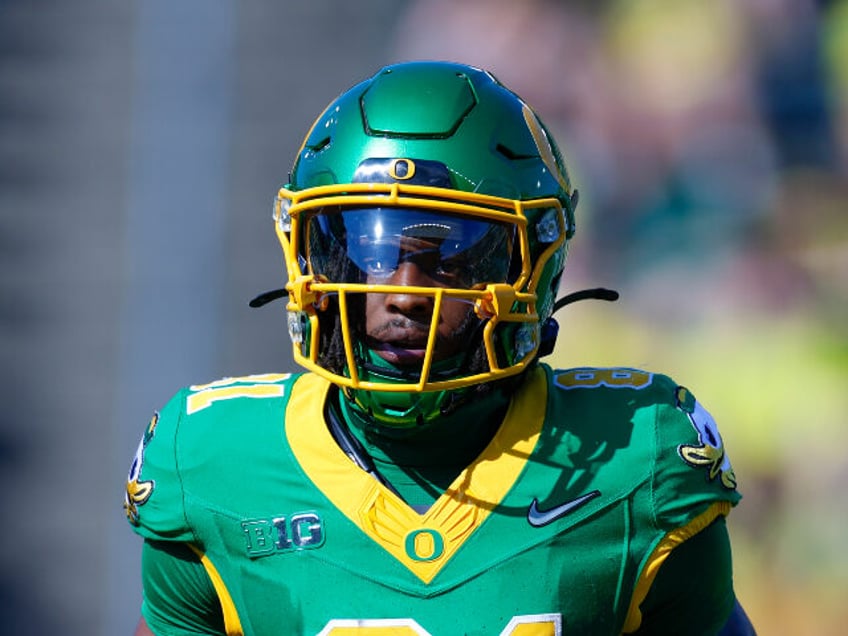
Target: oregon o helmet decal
{"points": [[402, 169]]}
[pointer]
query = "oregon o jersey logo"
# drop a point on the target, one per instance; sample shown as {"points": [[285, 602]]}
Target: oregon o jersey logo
{"points": [[424, 545]]}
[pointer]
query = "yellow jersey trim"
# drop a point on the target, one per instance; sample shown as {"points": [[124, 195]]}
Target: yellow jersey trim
{"points": [[660, 554], [423, 543], [232, 624]]}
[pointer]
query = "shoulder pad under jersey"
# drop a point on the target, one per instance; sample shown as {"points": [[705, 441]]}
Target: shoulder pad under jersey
{"points": [[646, 426], [192, 434]]}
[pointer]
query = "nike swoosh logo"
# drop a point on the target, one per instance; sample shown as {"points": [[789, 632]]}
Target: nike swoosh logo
{"points": [[539, 518]]}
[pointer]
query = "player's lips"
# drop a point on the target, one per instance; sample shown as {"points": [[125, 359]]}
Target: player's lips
{"points": [[400, 346], [400, 355]]}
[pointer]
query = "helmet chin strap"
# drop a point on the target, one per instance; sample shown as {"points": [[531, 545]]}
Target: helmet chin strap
{"points": [[597, 293], [266, 297], [550, 328]]}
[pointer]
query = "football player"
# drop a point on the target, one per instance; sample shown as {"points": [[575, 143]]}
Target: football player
{"points": [[427, 474]]}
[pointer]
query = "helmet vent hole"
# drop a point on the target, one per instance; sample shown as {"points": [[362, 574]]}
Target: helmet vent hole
{"points": [[510, 154], [318, 147]]}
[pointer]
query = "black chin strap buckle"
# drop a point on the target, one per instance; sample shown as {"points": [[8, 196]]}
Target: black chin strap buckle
{"points": [[550, 330]]}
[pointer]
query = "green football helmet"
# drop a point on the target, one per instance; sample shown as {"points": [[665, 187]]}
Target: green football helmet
{"points": [[438, 164]]}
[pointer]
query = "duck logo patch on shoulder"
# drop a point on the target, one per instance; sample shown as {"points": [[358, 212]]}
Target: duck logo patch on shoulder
{"points": [[709, 453], [138, 491]]}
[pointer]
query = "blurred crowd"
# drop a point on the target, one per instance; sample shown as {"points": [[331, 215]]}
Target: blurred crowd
{"points": [[709, 142], [708, 139]]}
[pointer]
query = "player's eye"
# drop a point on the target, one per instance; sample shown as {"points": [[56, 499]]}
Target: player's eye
{"points": [[378, 266], [451, 269]]}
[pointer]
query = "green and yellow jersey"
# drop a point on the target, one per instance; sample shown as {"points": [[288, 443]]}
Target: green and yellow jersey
{"points": [[560, 526]]}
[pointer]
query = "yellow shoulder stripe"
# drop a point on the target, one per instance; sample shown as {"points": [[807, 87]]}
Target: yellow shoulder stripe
{"points": [[232, 624], [660, 554]]}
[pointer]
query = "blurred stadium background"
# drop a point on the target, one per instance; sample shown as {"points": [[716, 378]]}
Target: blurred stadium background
{"points": [[141, 145]]}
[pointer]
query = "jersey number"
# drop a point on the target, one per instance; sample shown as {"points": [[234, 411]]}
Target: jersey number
{"points": [[251, 386], [595, 377], [527, 625]]}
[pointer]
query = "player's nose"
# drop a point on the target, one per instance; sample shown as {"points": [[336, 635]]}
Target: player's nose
{"points": [[409, 274]]}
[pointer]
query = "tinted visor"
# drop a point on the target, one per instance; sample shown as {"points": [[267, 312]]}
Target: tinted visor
{"points": [[368, 245]]}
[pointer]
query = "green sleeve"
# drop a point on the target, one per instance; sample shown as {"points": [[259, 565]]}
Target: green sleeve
{"points": [[154, 496], [179, 599], [692, 469], [693, 592]]}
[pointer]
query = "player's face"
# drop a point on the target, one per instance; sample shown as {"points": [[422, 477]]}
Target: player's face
{"points": [[400, 248], [398, 324]]}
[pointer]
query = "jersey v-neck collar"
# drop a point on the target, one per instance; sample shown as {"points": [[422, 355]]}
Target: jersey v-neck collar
{"points": [[423, 543]]}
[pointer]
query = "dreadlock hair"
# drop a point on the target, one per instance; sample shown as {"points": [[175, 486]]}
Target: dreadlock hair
{"points": [[331, 346]]}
